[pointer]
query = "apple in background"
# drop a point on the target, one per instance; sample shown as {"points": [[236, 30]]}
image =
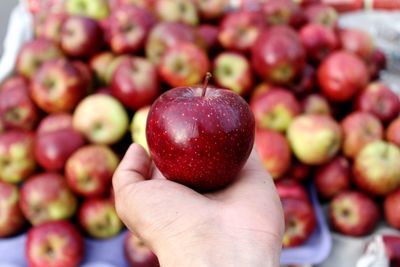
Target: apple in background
{"points": [[380, 100], [333, 178], [112, 66], [99, 64], [46, 197], [17, 160], [135, 82], [209, 34], [305, 83], [322, 14], [183, 65], [260, 89], [239, 30], [177, 11], [51, 28], [81, 36], [359, 129], [33, 54], [96, 9], [222, 144], [149, 4], [300, 221], [86, 74], [393, 132], [274, 152], [392, 247], [99, 219], [353, 213], [54, 244], [376, 168], [17, 110], [377, 63], [318, 41], [316, 104], [298, 171], [90, 169], [12, 221], [233, 71], [137, 253], [288, 188], [342, 75], [358, 42], [138, 127], [127, 28], [212, 9], [392, 209], [314, 139], [101, 118], [282, 12], [278, 55], [275, 109], [56, 140]]}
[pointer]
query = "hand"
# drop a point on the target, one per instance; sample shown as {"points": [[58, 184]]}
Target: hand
{"points": [[241, 225]]}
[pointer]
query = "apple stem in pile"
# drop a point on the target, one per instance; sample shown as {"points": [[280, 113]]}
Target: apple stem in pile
{"points": [[206, 80]]}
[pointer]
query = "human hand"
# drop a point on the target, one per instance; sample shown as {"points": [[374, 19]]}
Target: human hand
{"points": [[241, 225]]}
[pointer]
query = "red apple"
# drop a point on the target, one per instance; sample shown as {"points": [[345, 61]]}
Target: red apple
{"points": [[46, 197], [282, 12], [377, 63], [305, 83], [177, 11], [278, 55], [379, 100], [322, 14], [209, 34], [288, 188], [259, 90], [99, 218], [212, 9], [85, 73], [353, 213], [99, 64], [359, 129], [137, 253], [314, 139], [316, 104], [54, 244], [393, 132], [342, 75], [376, 169], [17, 159], [392, 247], [391, 208], [274, 152], [12, 220], [112, 66], [135, 83], [298, 171], [275, 109], [204, 139], [358, 42], [333, 177], [51, 27], [183, 65]]}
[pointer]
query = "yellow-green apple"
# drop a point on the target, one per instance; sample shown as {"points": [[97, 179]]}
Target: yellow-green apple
{"points": [[298, 171], [99, 219], [137, 253], [138, 127], [392, 209], [358, 42], [90, 169], [282, 12], [112, 66], [376, 168], [274, 152], [212, 9], [233, 71], [333, 178], [46, 197], [11, 221], [34, 53], [289, 188], [17, 160], [52, 25], [316, 104], [275, 109], [322, 14], [393, 132], [200, 136], [353, 213], [342, 75], [55, 141], [101, 118], [135, 82], [359, 129], [380, 100], [177, 11], [97, 9], [99, 64], [54, 244], [314, 139], [278, 56], [58, 86], [239, 30], [184, 64]]}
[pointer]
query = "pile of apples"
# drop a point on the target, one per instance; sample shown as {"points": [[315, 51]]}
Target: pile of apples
{"points": [[65, 114]]}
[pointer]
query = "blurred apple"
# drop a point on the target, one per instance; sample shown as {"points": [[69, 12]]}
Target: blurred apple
{"points": [[52, 25], [357, 41], [138, 127], [393, 132], [137, 253], [12, 220], [322, 14], [282, 12], [392, 209], [97, 9], [212, 9], [99, 64], [177, 11], [377, 63], [298, 171], [112, 66], [209, 35], [288, 188], [306, 83], [316, 104]]}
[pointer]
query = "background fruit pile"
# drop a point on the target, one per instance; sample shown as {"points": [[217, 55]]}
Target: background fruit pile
{"points": [[95, 65]]}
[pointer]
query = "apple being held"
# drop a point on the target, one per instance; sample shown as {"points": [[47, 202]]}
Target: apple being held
{"points": [[12, 220], [54, 244], [358, 42], [96, 9], [314, 139], [288, 188], [316, 104], [137, 253], [177, 11], [212, 9], [46, 197], [393, 132], [392, 209], [17, 160], [101, 118], [376, 168], [202, 135], [138, 127], [353, 213]]}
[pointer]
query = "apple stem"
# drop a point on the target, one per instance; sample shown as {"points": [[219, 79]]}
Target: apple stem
{"points": [[206, 81]]}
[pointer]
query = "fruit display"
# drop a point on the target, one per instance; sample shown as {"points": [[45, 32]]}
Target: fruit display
{"points": [[197, 84]]}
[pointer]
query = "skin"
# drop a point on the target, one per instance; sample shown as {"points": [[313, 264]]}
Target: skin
{"points": [[241, 225]]}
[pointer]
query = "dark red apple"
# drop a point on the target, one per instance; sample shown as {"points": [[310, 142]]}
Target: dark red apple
{"points": [[377, 63], [322, 14], [358, 42], [316, 104], [200, 136], [282, 12], [392, 247], [86, 74], [306, 83], [288, 188], [393, 132], [12, 220], [137, 253], [392, 209], [298, 171], [209, 34]]}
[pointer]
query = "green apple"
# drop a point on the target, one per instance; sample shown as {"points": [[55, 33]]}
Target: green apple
{"points": [[138, 127], [96, 9]]}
